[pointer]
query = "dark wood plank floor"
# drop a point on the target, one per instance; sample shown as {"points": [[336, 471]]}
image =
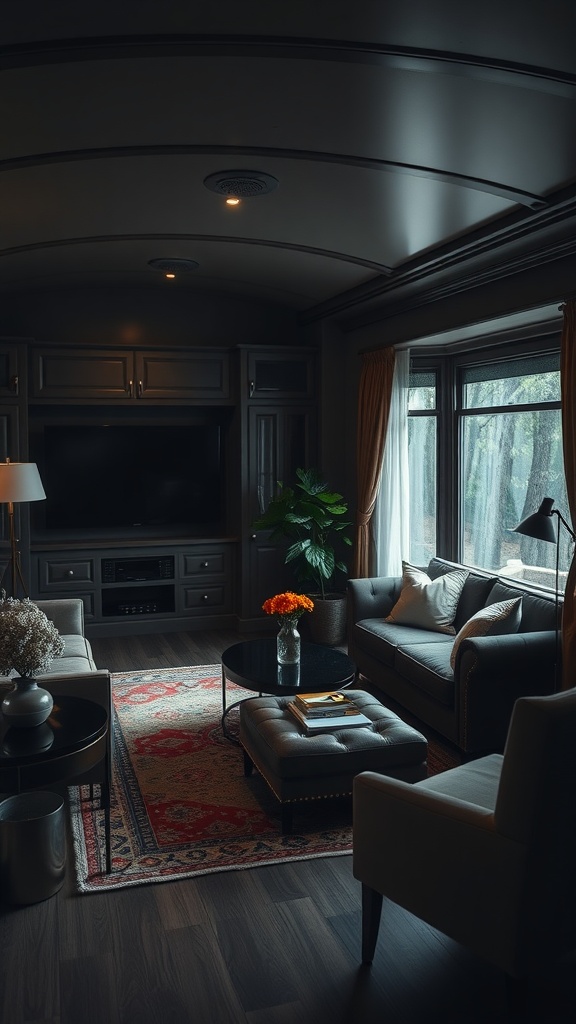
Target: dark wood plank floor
{"points": [[271, 945]]}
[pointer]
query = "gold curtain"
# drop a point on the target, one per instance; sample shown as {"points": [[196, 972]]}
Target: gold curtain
{"points": [[568, 391], [374, 395]]}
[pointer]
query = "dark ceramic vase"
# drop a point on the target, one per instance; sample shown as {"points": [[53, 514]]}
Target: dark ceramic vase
{"points": [[27, 704]]}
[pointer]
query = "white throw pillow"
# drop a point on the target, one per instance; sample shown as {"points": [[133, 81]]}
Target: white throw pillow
{"points": [[495, 620], [426, 603]]}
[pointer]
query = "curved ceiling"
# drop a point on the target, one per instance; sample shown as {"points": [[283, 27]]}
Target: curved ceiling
{"points": [[409, 141]]}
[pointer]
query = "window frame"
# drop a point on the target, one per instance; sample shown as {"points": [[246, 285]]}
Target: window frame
{"points": [[449, 365], [435, 414]]}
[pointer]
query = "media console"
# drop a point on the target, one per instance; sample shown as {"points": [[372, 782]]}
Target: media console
{"points": [[183, 585]]}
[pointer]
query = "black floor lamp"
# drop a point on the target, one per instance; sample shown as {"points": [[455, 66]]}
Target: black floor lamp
{"points": [[541, 527], [19, 481]]}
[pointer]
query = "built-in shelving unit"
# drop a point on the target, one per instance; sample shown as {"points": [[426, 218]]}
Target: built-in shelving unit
{"points": [[263, 401]]}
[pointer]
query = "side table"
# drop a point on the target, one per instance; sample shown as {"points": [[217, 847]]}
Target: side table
{"points": [[71, 744]]}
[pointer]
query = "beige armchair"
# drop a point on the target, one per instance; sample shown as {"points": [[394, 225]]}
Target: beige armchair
{"points": [[486, 852]]}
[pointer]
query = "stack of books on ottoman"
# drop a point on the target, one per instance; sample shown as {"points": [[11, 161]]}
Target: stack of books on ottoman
{"points": [[322, 712]]}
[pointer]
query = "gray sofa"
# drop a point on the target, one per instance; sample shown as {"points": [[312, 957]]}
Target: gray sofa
{"points": [[470, 704]]}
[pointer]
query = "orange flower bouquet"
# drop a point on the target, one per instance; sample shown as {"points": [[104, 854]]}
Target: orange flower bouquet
{"points": [[288, 608], [288, 605]]}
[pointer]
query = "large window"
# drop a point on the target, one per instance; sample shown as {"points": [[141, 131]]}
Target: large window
{"points": [[485, 447]]}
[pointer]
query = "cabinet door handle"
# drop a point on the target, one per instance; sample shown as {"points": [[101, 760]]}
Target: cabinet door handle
{"points": [[253, 536], [140, 389], [131, 388], [204, 565], [70, 572], [14, 384], [251, 388], [205, 598]]}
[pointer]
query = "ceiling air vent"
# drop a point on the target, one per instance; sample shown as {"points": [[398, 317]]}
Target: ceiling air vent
{"points": [[241, 184]]}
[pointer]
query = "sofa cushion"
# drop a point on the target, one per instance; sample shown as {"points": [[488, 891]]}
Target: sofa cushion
{"points": [[75, 659], [538, 613], [474, 597], [428, 604], [427, 666], [474, 592], [76, 656], [380, 639], [495, 620]]}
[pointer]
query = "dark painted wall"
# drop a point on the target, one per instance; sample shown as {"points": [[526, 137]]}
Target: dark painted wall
{"points": [[156, 316]]}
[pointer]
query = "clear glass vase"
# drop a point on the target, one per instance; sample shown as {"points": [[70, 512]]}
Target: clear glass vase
{"points": [[288, 643]]}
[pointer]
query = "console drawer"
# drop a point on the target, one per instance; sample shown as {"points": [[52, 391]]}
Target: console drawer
{"points": [[205, 563], [213, 598], [67, 573]]}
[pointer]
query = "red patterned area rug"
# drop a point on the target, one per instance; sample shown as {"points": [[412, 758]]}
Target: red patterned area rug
{"points": [[181, 804]]}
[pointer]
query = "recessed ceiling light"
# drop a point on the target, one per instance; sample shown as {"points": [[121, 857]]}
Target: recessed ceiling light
{"points": [[172, 267], [241, 184]]}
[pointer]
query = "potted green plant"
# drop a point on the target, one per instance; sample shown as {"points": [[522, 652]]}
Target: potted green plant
{"points": [[313, 519]]}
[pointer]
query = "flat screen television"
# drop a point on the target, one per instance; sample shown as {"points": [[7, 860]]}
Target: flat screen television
{"points": [[134, 479]]}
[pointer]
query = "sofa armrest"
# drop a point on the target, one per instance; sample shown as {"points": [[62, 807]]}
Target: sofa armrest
{"points": [[441, 858], [95, 686], [66, 613], [491, 672], [372, 598]]}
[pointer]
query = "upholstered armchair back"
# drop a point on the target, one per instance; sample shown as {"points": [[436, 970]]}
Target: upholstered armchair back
{"points": [[536, 808]]}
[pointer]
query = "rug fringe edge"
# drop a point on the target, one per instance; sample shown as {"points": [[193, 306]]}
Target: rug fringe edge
{"points": [[85, 889]]}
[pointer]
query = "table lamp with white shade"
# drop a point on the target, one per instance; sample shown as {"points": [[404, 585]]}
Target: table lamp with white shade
{"points": [[19, 481]]}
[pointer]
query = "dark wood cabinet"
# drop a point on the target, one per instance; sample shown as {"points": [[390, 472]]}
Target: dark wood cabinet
{"points": [[80, 374], [128, 375], [204, 376], [274, 374], [10, 449], [184, 585], [13, 442], [9, 433], [11, 383], [279, 435], [280, 440]]}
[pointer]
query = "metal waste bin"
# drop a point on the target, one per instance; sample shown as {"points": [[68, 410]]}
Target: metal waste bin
{"points": [[32, 846]]}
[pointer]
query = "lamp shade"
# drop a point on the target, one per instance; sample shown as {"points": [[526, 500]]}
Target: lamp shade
{"points": [[540, 524], [20, 481]]}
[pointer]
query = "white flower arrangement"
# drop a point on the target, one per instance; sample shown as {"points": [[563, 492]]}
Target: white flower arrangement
{"points": [[29, 641]]}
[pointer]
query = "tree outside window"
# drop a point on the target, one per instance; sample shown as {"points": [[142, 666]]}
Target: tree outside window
{"points": [[510, 459]]}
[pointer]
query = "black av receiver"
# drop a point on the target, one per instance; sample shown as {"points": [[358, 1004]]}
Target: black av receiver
{"points": [[134, 570]]}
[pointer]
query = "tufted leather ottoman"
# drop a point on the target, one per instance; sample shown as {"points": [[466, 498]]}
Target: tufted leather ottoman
{"points": [[300, 767]]}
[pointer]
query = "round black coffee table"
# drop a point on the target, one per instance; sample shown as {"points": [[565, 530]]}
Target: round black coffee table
{"points": [[253, 664]]}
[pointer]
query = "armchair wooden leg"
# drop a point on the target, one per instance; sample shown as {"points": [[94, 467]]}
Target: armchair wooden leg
{"points": [[371, 912]]}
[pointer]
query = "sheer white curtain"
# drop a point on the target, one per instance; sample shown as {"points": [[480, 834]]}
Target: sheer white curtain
{"points": [[392, 512]]}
